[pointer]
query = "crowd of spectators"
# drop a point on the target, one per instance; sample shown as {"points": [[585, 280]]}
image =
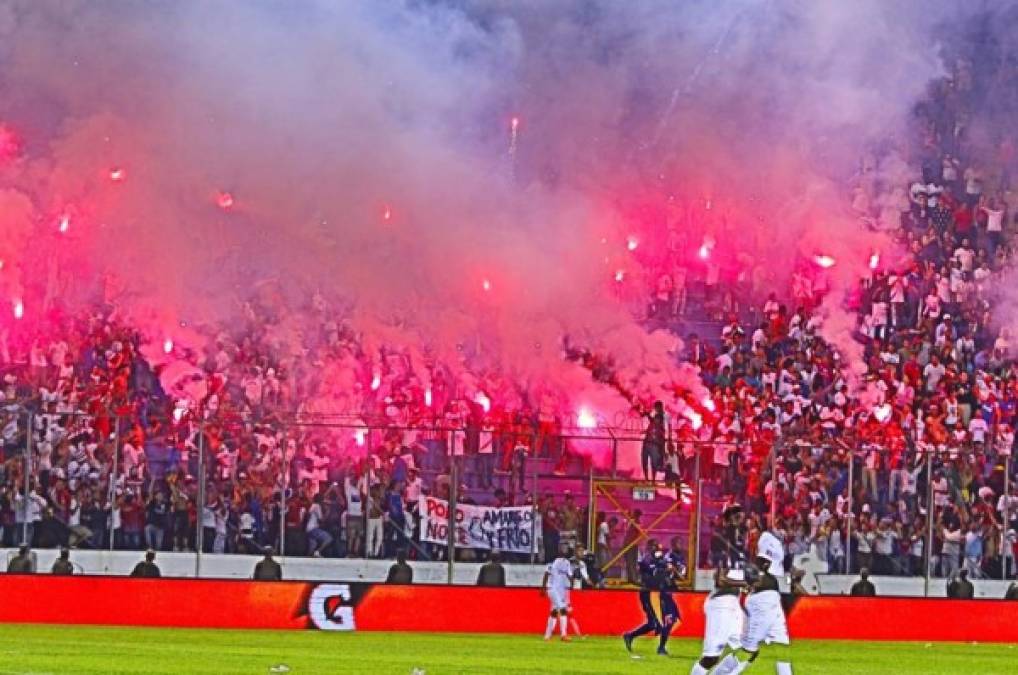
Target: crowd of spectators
{"points": [[318, 443], [849, 459], [116, 443]]}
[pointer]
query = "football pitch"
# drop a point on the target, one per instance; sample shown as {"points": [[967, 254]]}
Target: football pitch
{"points": [[76, 649]]}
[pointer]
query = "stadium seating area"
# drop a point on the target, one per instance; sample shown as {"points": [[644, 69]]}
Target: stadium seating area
{"points": [[335, 441]]}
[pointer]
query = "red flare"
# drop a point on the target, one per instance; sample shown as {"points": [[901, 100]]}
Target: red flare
{"points": [[824, 261], [586, 419]]}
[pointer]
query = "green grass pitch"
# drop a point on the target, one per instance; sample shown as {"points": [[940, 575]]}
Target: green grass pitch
{"points": [[78, 649]]}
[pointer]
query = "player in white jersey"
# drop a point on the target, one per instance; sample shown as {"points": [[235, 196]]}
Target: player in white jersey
{"points": [[766, 623], [723, 629], [771, 548], [579, 572], [558, 579]]}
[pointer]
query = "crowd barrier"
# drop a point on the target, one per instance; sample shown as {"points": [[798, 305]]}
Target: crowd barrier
{"points": [[201, 603]]}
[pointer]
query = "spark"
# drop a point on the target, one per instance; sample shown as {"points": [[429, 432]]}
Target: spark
{"points": [[514, 139], [632, 242], [167, 345], [117, 175], [387, 213], [360, 436], [481, 399], [708, 404], [427, 397], [586, 420], [224, 200], [65, 224], [620, 276], [486, 285], [19, 309], [824, 261], [704, 251], [874, 260], [376, 382]]}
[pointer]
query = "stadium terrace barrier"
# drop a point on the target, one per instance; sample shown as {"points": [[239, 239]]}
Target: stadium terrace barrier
{"points": [[360, 570], [378, 607]]}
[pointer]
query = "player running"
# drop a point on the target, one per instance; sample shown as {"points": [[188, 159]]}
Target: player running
{"points": [[723, 629], [766, 622], [558, 579], [674, 571], [652, 567]]}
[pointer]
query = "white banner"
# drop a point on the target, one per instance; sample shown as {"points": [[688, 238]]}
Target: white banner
{"points": [[510, 528]]}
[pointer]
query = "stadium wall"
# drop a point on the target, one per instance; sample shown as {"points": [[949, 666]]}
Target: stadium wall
{"points": [[425, 608], [220, 566]]}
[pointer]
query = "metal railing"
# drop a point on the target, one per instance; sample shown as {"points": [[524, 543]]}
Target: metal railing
{"points": [[209, 494]]}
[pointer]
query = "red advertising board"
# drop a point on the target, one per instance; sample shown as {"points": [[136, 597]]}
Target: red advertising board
{"points": [[377, 607]]}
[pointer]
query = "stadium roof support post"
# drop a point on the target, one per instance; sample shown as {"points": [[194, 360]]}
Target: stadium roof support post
{"points": [[282, 496], [591, 511], [454, 482], [28, 477], [113, 473], [533, 506], [699, 514], [1005, 545], [199, 535], [773, 461], [928, 548], [851, 499]]}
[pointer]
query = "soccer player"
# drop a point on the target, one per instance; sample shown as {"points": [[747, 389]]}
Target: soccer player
{"points": [[673, 572], [558, 579], [770, 547], [651, 566], [579, 571], [766, 622], [724, 619]]}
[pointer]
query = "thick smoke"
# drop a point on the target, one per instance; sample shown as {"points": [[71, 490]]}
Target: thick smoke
{"points": [[369, 152], [974, 109]]}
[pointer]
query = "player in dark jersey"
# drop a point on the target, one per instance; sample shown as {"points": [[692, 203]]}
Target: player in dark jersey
{"points": [[674, 570], [651, 567]]}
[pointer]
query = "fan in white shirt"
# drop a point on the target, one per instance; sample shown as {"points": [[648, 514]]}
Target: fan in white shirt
{"points": [[978, 428]]}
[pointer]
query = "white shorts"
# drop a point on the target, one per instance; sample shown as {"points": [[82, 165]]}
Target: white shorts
{"points": [[766, 622], [724, 624], [559, 599]]}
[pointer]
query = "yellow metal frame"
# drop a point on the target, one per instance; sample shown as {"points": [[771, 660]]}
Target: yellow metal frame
{"points": [[602, 488]]}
